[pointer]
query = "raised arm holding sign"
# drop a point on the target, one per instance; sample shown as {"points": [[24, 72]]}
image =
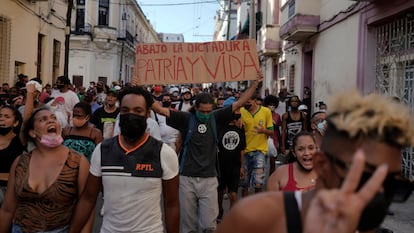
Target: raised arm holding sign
{"points": [[220, 61]]}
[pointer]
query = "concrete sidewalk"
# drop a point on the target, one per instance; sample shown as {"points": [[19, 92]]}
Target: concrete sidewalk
{"points": [[403, 219], [401, 222]]}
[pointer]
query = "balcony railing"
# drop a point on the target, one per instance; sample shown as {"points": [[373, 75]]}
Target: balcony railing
{"points": [[269, 41], [300, 19], [104, 33], [82, 29]]}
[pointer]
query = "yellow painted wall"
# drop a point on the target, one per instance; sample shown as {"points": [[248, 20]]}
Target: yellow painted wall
{"points": [[27, 21]]}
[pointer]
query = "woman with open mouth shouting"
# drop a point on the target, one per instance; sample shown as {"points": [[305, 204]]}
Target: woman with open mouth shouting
{"points": [[300, 174], [45, 183]]}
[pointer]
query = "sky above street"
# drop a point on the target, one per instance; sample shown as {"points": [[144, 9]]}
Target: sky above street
{"points": [[193, 18]]}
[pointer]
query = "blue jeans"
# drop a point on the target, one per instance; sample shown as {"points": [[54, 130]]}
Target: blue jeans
{"points": [[18, 229], [254, 163]]}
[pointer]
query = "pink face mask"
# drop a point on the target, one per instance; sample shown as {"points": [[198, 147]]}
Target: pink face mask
{"points": [[51, 141]]}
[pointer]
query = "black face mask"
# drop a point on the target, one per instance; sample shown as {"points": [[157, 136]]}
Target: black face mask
{"points": [[187, 99], [376, 210], [4, 131], [166, 104], [374, 213], [99, 89], [247, 106], [60, 86], [236, 116], [132, 126]]}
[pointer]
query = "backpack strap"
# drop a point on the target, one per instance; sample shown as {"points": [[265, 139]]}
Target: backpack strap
{"points": [[293, 217], [191, 128], [180, 105], [214, 128], [156, 117]]}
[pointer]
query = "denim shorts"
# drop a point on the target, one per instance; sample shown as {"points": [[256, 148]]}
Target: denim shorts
{"points": [[18, 229], [254, 163]]}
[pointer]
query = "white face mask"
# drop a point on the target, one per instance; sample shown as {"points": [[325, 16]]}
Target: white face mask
{"points": [[321, 126]]}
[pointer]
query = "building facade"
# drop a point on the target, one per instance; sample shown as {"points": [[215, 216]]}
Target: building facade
{"points": [[269, 45], [171, 37], [265, 29], [226, 21], [104, 38], [32, 39]]}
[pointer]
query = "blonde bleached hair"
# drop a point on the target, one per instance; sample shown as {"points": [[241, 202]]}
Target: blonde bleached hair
{"points": [[373, 116]]}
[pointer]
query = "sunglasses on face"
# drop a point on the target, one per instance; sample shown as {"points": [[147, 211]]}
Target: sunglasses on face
{"points": [[394, 183]]}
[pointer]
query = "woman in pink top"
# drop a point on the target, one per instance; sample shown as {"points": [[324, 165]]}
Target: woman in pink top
{"points": [[298, 175]]}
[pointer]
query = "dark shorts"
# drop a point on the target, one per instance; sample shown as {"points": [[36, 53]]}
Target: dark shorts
{"points": [[229, 176]]}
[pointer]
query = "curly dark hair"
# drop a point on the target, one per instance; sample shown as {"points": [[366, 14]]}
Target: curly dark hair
{"points": [[291, 157], [30, 123], [86, 108], [17, 117], [203, 98], [271, 99], [137, 90]]}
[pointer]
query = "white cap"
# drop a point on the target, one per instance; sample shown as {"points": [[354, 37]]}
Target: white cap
{"points": [[174, 89], [302, 107], [185, 90]]}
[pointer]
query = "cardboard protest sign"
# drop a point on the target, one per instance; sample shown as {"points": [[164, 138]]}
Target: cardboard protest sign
{"points": [[176, 63]]}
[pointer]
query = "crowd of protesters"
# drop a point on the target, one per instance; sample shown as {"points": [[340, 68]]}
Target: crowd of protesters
{"points": [[193, 146]]}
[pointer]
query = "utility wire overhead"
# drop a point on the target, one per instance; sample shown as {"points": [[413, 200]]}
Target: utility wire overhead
{"points": [[178, 4]]}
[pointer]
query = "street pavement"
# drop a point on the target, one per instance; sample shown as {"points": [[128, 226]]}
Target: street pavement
{"points": [[403, 219]]}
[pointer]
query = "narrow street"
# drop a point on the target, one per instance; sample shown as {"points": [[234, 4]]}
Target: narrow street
{"points": [[402, 220]]}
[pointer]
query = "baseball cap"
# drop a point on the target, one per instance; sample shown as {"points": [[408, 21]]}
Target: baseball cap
{"points": [[229, 101], [157, 88], [112, 92], [186, 90], [174, 91], [302, 107]]}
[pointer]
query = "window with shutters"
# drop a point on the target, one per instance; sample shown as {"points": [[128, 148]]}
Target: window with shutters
{"points": [[5, 30]]}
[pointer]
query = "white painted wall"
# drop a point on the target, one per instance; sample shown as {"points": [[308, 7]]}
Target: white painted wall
{"points": [[335, 59], [94, 58], [329, 8], [295, 59]]}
